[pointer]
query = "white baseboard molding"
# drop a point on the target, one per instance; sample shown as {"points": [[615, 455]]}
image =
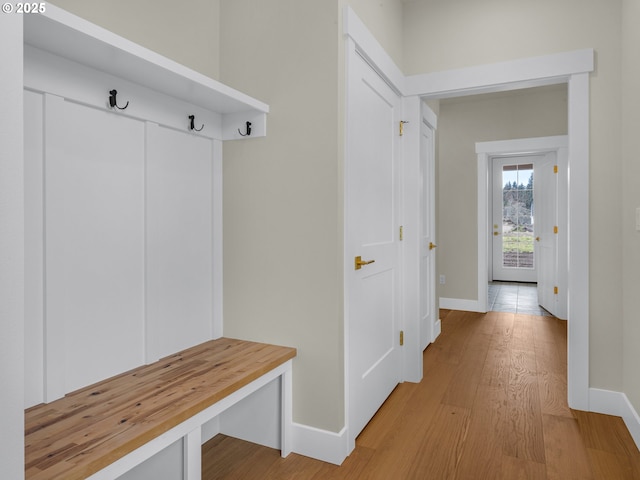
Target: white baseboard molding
{"points": [[616, 403], [460, 304], [437, 329], [320, 444]]}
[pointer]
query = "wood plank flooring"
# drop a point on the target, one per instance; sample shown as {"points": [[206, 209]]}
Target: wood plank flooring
{"points": [[492, 405]]}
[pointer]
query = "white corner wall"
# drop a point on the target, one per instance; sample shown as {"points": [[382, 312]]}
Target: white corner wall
{"points": [[11, 250]]}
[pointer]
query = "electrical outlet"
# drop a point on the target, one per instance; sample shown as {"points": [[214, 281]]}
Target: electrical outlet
{"points": [[442, 280]]}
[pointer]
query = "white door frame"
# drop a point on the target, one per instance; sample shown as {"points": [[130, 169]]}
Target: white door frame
{"points": [[572, 68], [485, 152]]}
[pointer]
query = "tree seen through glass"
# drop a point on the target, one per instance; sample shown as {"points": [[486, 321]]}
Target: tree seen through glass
{"points": [[517, 216]]}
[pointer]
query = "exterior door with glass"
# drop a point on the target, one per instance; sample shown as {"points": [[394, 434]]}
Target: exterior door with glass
{"points": [[513, 221]]}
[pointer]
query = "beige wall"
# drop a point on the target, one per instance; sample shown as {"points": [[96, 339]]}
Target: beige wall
{"points": [[631, 198], [462, 122], [384, 19], [282, 215], [283, 228], [185, 31], [472, 33]]}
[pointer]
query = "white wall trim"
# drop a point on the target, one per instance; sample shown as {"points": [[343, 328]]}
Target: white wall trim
{"points": [[522, 145], [502, 76], [12, 249], [410, 246], [437, 329], [578, 220], [483, 221], [320, 444], [461, 304], [616, 403], [371, 50]]}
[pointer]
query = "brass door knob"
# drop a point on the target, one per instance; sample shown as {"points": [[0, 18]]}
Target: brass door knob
{"points": [[495, 234], [432, 245], [359, 262]]}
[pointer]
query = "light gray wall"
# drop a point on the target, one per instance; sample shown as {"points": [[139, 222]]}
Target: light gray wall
{"points": [[462, 122], [440, 34], [11, 250], [631, 198]]}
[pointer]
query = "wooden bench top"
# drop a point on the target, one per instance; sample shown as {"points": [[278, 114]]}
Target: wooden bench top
{"points": [[88, 429]]}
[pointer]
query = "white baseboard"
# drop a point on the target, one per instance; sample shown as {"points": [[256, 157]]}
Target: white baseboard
{"points": [[616, 403], [460, 304], [320, 444], [437, 329]]}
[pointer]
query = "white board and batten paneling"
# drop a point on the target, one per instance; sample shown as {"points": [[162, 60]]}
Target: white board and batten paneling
{"points": [[94, 244], [179, 240], [123, 207]]}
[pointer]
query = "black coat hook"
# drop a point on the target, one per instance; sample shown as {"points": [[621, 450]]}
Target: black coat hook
{"points": [[113, 102], [248, 130], [192, 124]]}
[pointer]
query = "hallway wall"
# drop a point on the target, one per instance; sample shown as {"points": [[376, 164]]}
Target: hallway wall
{"points": [[537, 112], [474, 33]]}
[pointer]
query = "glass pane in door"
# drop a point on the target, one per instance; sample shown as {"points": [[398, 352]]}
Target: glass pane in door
{"points": [[517, 216]]}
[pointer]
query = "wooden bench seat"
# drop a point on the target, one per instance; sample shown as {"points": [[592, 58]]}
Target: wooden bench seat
{"points": [[89, 429]]}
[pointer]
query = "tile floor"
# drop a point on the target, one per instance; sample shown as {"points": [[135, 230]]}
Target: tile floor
{"points": [[515, 298]]}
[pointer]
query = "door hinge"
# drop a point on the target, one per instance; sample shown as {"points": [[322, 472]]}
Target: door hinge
{"points": [[555, 229], [401, 337], [555, 169], [401, 233], [402, 122], [555, 290]]}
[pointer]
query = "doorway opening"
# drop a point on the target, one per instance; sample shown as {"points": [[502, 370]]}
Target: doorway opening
{"points": [[513, 220], [549, 225], [524, 246]]}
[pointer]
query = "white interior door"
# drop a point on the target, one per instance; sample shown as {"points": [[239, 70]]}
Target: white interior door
{"points": [[546, 202], [513, 219], [372, 206], [428, 312]]}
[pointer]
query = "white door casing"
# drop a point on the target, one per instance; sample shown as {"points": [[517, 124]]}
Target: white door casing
{"points": [[372, 223]]}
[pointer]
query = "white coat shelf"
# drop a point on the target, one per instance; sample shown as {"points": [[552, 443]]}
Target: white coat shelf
{"points": [[65, 35]]}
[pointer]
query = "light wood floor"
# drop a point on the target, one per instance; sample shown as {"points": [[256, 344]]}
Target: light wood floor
{"points": [[492, 405]]}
